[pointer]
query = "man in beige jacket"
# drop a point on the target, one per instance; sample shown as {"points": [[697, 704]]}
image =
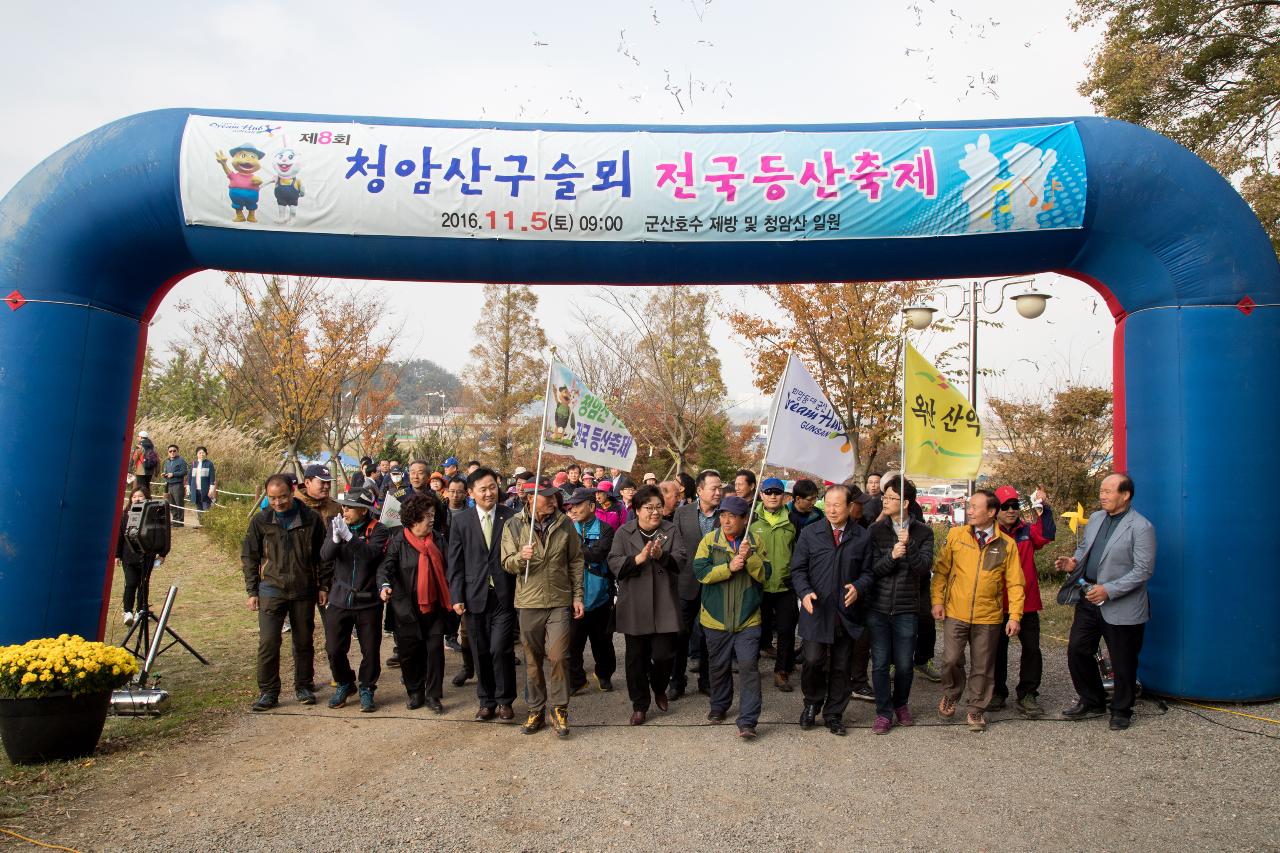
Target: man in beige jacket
{"points": [[548, 573]]}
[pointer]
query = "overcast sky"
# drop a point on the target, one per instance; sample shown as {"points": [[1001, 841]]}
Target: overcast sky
{"points": [[73, 68]]}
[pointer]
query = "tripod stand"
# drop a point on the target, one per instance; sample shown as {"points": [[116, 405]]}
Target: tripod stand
{"points": [[140, 633]]}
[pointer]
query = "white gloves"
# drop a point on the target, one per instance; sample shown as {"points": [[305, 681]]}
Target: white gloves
{"points": [[341, 532]]}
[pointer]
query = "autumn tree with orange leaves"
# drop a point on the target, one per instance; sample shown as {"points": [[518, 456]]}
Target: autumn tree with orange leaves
{"points": [[289, 346], [846, 333]]}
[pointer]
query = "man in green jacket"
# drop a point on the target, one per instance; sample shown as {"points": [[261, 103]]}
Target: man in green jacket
{"points": [[731, 565], [548, 595], [779, 613]]}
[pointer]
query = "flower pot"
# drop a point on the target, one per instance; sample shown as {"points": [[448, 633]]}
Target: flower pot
{"points": [[53, 727]]}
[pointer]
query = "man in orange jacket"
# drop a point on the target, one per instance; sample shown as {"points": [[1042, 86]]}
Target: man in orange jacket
{"points": [[975, 571]]}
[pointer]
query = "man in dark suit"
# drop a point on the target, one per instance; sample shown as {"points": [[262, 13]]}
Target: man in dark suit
{"points": [[693, 521], [484, 594], [1115, 560], [831, 574]]}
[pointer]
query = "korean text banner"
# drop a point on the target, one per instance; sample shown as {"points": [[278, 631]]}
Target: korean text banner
{"points": [[580, 425], [942, 433], [362, 179], [806, 433]]}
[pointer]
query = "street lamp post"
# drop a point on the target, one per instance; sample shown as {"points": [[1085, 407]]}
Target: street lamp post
{"points": [[1030, 304]]}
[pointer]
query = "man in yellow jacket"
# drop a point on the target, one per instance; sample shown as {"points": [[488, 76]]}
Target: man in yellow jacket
{"points": [[975, 569]]}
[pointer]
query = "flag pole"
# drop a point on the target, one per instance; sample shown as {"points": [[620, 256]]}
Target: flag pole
{"points": [[768, 441], [537, 476], [902, 443]]}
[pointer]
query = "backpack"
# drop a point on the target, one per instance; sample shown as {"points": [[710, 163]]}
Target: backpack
{"points": [[150, 460]]}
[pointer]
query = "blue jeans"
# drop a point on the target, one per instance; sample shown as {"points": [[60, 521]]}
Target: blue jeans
{"points": [[893, 640], [722, 648]]}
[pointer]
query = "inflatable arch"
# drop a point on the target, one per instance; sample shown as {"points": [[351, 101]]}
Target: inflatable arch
{"points": [[92, 239]]}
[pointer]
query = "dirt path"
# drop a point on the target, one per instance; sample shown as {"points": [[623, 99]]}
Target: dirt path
{"points": [[317, 779]]}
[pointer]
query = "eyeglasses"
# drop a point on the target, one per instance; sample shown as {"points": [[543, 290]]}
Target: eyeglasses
{"points": [[651, 508], [885, 497], [773, 492]]}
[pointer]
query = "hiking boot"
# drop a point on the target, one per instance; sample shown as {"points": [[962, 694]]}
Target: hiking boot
{"points": [[452, 644], [265, 702], [904, 716], [560, 720], [305, 696], [882, 726], [747, 732], [536, 723], [714, 716], [1029, 707], [605, 685], [341, 695], [977, 722], [997, 703], [783, 682], [947, 707], [865, 693], [929, 672], [394, 660], [128, 617], [367, 705]]}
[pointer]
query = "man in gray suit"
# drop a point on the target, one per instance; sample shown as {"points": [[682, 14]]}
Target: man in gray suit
{"points": [[1114, 561]]}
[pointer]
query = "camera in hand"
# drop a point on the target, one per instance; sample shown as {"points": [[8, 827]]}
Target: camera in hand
{"points": [[147, 528]]}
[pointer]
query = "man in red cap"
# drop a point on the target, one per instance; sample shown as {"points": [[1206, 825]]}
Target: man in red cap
{"points": [[1029, 537]]}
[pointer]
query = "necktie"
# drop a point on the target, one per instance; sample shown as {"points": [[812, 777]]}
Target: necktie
{"points": [[837, 533], [486, 524], [982, 538]]}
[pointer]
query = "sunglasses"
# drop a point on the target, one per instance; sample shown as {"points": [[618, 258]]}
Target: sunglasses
{"points": [[1007, 505], [773, 492]]}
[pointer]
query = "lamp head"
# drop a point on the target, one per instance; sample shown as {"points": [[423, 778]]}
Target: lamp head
{"points": [[919, 316], [1031, 304]]}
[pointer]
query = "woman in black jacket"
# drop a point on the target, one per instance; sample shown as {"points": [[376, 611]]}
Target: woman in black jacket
{"points": [[133, 562], [900, 558], [354, 545], [412, 577]]}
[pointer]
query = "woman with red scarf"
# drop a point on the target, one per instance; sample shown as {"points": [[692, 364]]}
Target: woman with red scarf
{"points": [[412, 577]]}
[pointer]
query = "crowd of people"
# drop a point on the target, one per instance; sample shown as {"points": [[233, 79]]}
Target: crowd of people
{"points": [[701, 575]]}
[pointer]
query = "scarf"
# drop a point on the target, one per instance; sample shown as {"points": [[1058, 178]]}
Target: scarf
{"points": [[432, 588]]}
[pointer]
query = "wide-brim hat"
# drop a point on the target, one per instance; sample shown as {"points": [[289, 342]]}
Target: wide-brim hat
{"points": [[356, 498]]}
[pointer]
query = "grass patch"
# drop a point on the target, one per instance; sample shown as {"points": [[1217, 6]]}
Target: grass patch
{"points": [[209, 613]]}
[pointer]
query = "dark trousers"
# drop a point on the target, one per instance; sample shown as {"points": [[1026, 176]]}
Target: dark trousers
{"points": [[200, 500], [451, 622], [132, 580], [692, 644], [926, 628], [1124, 642], [860, 662], [893, 641], [824, 681], [723, 648], [421, 648], [597, 626], [338, 622], [177, 497], [301, 613], [1032, 666], [648, 662], [489, 634], [143, 481], [779, 613]]}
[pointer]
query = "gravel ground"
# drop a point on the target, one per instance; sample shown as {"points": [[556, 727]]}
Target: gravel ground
{"points": [[311, 778]]}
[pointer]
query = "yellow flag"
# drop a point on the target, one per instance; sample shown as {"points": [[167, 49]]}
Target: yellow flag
{"points": [[942, 433]]}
